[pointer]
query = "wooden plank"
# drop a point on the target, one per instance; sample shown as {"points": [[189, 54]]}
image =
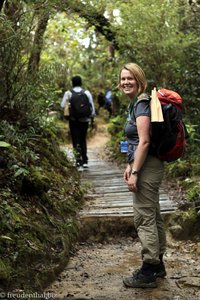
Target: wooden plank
{"points": [[118, 212], [123, 204], [105, 198], [103, 172], [117, 209]]}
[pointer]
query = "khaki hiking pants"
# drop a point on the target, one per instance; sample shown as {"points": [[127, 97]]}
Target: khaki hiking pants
{"points": [[147, 217]]}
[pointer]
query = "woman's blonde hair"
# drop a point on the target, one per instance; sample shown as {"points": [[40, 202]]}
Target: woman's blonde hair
{"points": [[138, 74]]}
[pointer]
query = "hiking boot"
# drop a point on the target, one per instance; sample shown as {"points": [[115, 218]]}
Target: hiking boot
{"points": [[140, 280], [159, 271], [80, 169], [85, 166]]}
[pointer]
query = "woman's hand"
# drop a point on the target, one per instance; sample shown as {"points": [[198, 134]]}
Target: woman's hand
{"points": [[130, 179], [127, 173], [132, 183]]}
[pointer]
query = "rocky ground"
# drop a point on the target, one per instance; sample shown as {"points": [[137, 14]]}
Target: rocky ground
{"points": [[96, 271]]}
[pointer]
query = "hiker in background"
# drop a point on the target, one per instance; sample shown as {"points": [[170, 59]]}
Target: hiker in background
{"points": [[143, 176], [108, 101], [115, 105], [80, 108], [101, 101]]}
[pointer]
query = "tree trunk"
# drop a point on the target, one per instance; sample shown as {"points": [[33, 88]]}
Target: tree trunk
{"points": [[34, 60], [1, 4]]}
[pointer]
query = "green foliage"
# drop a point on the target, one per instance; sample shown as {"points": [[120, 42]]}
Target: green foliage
{"points": [[192, 187], [4, 144], [194, 192], [39, 195], [180, 168], [116, 133], [4, 269], [13, 72], [40, 189]]}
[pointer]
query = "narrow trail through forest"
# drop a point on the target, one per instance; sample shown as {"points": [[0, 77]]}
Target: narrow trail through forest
{"points": [[109, 250]]}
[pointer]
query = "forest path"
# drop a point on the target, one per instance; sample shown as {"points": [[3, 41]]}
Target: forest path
{"points": [[108, 251]]}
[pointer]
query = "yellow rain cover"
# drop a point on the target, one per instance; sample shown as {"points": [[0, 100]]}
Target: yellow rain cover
{"points": [[156, 110]]}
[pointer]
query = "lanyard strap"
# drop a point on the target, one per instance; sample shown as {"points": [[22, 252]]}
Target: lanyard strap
{"points": [[129, 118], [130, 110]]}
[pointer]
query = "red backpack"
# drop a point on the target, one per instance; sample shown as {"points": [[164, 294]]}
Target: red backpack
{"points": [[168, 140]]}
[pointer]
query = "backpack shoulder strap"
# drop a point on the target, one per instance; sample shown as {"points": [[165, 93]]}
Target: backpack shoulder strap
{"points": [[72, 92], [143, 96], [81, 91], [132, 107]]}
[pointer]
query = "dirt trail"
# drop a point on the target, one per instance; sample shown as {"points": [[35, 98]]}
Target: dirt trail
{"points": [[96, 269], [100, 139]]}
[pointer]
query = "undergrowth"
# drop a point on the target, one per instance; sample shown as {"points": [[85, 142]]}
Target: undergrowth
{"points": [[40, 194]]}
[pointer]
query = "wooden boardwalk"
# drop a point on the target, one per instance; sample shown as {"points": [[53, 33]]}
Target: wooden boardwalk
{"points": [[108, 201], [108, 194]]}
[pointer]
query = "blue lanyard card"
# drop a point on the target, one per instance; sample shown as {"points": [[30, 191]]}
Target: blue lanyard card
{"points": [[124, 146]]}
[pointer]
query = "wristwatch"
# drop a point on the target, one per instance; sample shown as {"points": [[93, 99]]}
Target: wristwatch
{"points": [[134, 172]]}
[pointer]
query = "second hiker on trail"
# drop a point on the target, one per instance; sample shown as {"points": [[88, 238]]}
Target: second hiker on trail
{"points": [[79, 108], [108, 101], [143, 176]]}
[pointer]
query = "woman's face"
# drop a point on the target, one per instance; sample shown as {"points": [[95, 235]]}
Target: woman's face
{"points": [[128, 84]]}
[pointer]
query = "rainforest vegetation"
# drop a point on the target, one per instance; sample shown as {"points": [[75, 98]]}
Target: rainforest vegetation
{"points": [[42, 45]]}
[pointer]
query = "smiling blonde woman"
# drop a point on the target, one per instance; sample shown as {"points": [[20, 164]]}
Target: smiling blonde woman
{"points": [[143, 176]]}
